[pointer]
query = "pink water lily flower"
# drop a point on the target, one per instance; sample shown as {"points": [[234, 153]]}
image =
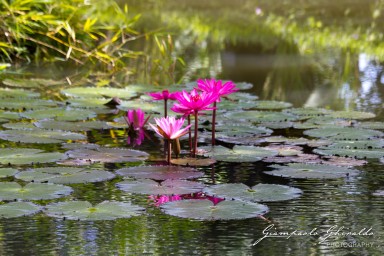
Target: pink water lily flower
{"points": [[170, 129], [217, 86], [164, 95], [194, 101], [135, 119]]}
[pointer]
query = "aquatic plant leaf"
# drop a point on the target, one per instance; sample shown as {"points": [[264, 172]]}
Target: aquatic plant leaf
{"points": [[7, 172], [360, 144], [83, 210], [206, 210], [20, 126], [226, 105], [378, 193], [167, 187], [277, 125], [21, 104], [239, 129], [343, 161], [311, 171], [59, 114], [243, 85], [352, 115], [17, 93], [160, 172], [241, 96], [18, 209], [8, 115], [19, 156], [370, 125], [272, 105], [261, 116], [286, 150], [308, 112], [257, 193], [64, 175], [144, 105], [32, 191], [88, 102], [300, 158], [108, 155], [98, 92], [285, 140], [75, 126], [39, 136], [344, 133], [80, 146], [193, 161], [239, 140], [19, 82], [356, 153]]}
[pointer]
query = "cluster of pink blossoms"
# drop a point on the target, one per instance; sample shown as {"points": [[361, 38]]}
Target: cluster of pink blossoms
{"points": [[202, 98]]}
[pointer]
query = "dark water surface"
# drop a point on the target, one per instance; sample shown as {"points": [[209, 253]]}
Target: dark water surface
{"points": [[344, 210]]}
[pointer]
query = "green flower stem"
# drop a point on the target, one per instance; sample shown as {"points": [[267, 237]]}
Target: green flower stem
{"points": [[169, 151], [190, 134], [213, 123], [196, 126]]}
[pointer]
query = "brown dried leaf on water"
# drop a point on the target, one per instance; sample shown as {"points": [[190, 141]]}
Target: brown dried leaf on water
{"points": [[343, 161], [193, 161]]}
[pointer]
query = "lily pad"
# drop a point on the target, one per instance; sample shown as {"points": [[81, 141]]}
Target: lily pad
{"points": [[8, 115], [18, 209], [277, 125], [80, 146], [144, 105], [160, 172], [272, 105], [108, 155], [20, 82], [261, 116], [98, 92], [206, 210], [7, 172], [352, 115], [59, 114], [257, 193], [20, 126], [88, 102], [83, 210], [356, 153], [71, 126], [20, 156], [32, 191], [344, 133], [193, 161], [64, 175], [311, 171], [371, 125], [17, 93], [343, 161], [167, 187], [360, 144], [238, 154], [40, 136], [22, 104], [308, 112]]}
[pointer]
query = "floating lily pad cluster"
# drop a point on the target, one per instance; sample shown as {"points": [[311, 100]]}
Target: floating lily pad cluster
{"points": [[328, 146]]}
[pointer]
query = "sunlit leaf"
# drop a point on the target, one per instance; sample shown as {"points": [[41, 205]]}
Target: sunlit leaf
{"points": [[75, 126], [160, 172], [59, 114], [39, 136], [32, 191], [205, 210], [18, 209], [108, 155], [19, 156], [98, 92], [83, 210]]}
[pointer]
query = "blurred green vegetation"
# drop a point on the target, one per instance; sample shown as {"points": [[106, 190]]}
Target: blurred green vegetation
{"points": [[81, 31]]}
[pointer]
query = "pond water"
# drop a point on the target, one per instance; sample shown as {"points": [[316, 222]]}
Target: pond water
{"points": [[340, 216]]}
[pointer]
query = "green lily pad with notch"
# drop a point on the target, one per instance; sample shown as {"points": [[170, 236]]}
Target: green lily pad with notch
{"points": [[272, 105], [261, 116], [108, 155], [64, 175], [356, 115], [311, 171], [21, 104], [343, 133], [257, 193], [160, 172], [7, 172], [17, 93], [355, 153], [146, 106], [203, 209], [18, 209], [75, 126], [32, 191], [99, 92], [241, 96], [85, 211], [20, 156], [40, 136], [59, 114], [167, 187], [277, 125]]}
